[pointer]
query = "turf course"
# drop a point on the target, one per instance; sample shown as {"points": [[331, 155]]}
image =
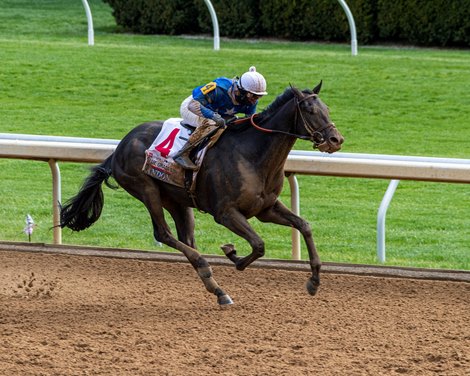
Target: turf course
{"points": [[386, 100]]}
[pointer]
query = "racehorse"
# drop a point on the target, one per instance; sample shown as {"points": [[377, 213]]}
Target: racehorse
{"points": [[240, 177]]}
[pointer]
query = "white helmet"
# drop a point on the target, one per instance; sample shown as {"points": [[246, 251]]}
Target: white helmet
{"points": [[253, 82]]}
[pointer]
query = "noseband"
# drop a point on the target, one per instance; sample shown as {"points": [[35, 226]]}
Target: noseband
{"points": [[315, 135]]}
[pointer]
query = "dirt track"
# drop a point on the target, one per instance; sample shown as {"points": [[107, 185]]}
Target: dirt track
{"points": [[84, 315]]}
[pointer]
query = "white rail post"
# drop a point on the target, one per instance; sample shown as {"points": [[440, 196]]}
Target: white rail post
{"points": [[381, 219], [215, 24], [295, 207], [352, 27], [91, 36], [56, 199]]}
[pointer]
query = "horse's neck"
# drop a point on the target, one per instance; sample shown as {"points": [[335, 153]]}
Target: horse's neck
{"points": [[278, 146], [281, 144], [276, 149]]}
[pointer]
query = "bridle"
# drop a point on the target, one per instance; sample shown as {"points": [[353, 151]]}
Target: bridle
{"points": [[315, 135]]}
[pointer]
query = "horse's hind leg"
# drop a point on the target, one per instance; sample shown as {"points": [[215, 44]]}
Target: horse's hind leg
{"points": [[281, 215], [184, 222], [163, 234], [148, 192]]}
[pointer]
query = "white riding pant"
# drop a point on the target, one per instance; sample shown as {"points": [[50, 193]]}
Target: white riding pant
{"points": [[190, 117]]}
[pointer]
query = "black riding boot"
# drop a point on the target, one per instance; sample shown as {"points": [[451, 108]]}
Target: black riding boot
{"points": [[182, 157], [202, 131]]}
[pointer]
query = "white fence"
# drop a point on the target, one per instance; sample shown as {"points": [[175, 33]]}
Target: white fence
{"points": [[70, 149]]}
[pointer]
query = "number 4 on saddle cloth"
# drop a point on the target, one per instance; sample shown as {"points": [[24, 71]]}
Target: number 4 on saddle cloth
{"points": [[159, 163]]}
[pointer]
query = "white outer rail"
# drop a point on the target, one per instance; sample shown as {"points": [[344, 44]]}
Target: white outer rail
{"points": [[352, 26], [91, 33], [53, 149], [215, 24], [344, 5]]}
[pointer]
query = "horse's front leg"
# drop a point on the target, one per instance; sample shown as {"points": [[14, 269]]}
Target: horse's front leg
{"points": [[280, 214], [237, 223]]}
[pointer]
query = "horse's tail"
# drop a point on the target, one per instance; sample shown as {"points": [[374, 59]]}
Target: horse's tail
{"points": [[84, 209]]}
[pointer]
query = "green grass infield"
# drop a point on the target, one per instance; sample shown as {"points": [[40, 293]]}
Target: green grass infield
{"points": [[386, 100]]}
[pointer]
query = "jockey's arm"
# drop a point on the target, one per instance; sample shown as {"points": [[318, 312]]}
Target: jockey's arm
{"points": [[201, 98], [198, 108]]}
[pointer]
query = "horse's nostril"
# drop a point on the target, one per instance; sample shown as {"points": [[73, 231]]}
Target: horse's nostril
{"points": [[334, 140]]}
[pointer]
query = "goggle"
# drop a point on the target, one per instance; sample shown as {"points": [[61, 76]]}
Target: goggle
{"points": [[254, 96]]}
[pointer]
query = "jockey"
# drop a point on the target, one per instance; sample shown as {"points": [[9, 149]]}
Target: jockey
{"points": [[212, 104]]}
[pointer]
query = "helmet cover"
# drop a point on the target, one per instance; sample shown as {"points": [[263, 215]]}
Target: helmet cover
{"points": [[253, 82]]}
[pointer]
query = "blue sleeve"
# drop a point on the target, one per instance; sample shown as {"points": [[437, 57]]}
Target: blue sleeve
{"points": [[205, 100]]}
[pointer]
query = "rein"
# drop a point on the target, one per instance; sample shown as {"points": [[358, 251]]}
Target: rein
{"points": [[256, 126], [310, 129]]}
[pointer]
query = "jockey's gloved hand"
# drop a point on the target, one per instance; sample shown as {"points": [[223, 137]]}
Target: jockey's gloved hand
{"points": [[219, 120]]}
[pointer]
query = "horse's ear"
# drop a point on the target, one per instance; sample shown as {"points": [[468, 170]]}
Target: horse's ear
{"points": [[317, 88], [296, 92]]}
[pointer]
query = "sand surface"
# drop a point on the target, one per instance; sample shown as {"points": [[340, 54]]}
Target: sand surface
{"points": [[84, 315]]}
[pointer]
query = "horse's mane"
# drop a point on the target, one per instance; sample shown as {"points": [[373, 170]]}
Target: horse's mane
{"points": [[280, 100], [272, 108]]}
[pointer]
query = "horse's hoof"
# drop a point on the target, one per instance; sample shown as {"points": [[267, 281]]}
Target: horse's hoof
{"points": [[229, 250], [224, 301], [312, 287]]}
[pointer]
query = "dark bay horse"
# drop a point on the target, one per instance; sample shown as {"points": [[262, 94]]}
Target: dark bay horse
{"points": [[241, 177]]}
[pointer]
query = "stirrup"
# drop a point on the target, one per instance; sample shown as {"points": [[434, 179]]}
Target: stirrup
{"points": [[185, 162]]}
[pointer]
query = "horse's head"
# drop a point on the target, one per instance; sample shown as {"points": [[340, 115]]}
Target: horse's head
{"points": [[313, 119]]}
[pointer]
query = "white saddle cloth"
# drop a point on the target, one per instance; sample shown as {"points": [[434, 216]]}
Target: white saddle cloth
{"points": [[159, 162]]}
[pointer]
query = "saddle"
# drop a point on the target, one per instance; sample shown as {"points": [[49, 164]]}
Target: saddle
{"points": [[159, 163]]}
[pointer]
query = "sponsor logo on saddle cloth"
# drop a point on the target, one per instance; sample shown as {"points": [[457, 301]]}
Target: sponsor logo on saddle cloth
{"points": [[159, 162]]}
